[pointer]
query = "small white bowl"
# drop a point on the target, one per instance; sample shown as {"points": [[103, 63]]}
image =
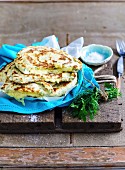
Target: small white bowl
{"points": [[96, 54]]}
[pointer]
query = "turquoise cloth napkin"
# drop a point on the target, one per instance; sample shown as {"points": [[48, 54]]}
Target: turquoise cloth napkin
{"points": [[8, 54]]}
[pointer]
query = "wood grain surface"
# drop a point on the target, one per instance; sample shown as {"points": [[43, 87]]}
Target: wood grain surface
{"points": [[28, 22], [62, 157], [48, 1], [21, 123]]}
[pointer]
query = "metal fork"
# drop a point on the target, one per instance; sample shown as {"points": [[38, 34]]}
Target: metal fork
{"points": [[120, 46]]}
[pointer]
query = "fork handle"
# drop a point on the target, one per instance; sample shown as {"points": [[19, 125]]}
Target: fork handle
{"points": [[118, 84]]}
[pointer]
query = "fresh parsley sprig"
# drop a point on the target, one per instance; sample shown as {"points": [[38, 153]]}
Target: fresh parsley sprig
{"points": [[86, 104], [111, 91]]}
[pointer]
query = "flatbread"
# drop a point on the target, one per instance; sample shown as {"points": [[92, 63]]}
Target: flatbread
{"points": [[44, 60], [63, 87], [4, 70], [16, 76], [19, 92], [40, 72], [38, 89]]}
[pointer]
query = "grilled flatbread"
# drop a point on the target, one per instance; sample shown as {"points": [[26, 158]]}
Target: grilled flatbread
{"points": [[3, 72], [63, 87], [19, 92], [38, 90], [15, 75], [45, 60], [40, 72]]}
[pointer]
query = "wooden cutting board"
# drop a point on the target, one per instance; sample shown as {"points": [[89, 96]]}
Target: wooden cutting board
{"points": [[108, 119]]}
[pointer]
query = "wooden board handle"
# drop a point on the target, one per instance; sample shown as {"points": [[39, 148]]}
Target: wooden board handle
{"points": [[118, 85]]}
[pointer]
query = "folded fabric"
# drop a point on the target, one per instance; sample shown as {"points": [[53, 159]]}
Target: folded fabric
{"points": [[75, 47], [8, 53], [85, 76], [50, 41]]}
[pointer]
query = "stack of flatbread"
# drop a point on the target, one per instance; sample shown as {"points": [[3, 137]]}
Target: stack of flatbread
{"points": [[40, 71]]}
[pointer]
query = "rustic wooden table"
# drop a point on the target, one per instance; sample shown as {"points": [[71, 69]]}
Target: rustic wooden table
{"points": [[100, 22]]}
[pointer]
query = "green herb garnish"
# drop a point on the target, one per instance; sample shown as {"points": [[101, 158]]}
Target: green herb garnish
{"points": [[86, 104], [111, 91]]}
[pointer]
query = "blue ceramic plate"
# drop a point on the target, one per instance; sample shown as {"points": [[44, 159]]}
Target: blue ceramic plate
{"points": [[96, 54]]}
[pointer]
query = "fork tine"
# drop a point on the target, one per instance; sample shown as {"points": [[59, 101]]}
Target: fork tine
{"points": [[120, 45], [123, 45]]}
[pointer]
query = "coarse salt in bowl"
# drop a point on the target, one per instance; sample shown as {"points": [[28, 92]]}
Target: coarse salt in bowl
{"points": [[96, 54]]}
